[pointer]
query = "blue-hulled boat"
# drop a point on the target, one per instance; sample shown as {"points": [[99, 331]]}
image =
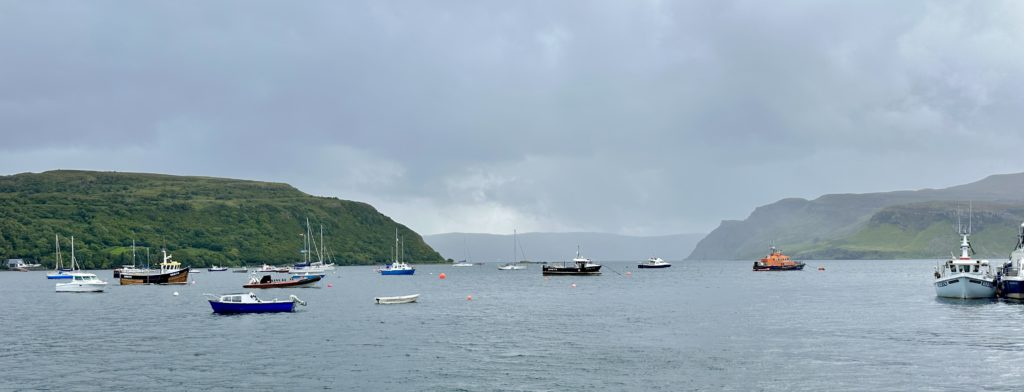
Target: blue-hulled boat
{"points": [[59, 272], [249, 303], [397, 268], [1011, 276]]}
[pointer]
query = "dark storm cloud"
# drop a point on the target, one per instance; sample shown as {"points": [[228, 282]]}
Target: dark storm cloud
{"points": [[630, 117]]}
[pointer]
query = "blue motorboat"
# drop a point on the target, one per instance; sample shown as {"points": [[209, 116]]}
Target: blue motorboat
{"points": [[249, 303]]}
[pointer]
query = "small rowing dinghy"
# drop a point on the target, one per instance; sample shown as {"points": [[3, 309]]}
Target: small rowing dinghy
{"points": [[404, 299], [249, 303]]}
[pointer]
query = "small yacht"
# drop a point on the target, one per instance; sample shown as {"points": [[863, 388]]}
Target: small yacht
{"points": [[514, 265], [59, 272], [398, 266], [215, 268], [462, 263], [654, 262], [1011, 278], [964, 277], [241, 270], [81, 282]]}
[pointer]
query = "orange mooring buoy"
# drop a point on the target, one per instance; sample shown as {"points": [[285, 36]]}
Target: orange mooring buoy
{"points": [[442, 276]]}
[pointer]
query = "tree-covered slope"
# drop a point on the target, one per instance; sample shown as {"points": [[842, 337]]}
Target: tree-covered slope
{"points": [[903, 224], [200, 220]]}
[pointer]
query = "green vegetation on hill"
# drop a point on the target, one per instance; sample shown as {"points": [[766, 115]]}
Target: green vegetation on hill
{"points": [[201, 220], [903, 224]]}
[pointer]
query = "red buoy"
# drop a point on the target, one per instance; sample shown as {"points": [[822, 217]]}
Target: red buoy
{"points": [[442, 276], [469, 298]]}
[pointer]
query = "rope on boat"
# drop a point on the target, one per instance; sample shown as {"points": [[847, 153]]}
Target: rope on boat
{"points": [[297, 300]]}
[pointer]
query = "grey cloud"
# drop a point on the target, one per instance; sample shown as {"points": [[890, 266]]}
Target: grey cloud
{"points": [[638, 117]]}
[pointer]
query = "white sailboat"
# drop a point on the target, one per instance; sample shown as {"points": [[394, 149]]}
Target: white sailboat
{"points": [[964, 277], [514, 265]]}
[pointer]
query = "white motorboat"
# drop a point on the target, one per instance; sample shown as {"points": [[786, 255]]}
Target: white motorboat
{"points": [[965, 277], [462, 263], [512, 266], [81, 282], [404, 299], [1011, 280], [654, 262]]}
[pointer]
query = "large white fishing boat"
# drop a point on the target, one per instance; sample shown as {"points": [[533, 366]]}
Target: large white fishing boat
{"points": [[1011, 280], [965, 277]]}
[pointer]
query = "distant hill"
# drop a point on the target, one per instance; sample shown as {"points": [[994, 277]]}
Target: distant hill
{"points": [[902, 224], [201, 220], [561, 246]]}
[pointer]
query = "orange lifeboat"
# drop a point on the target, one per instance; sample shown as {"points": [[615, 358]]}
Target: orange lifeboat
{"points": [[776, 261]]}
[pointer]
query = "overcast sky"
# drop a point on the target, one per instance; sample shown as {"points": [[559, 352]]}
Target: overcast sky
{"points": [[631, 117]]}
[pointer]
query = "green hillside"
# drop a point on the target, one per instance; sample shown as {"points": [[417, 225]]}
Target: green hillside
{"points": [[201, 220], [903, 224]]}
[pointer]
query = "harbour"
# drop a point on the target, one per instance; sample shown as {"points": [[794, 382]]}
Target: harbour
{"points": [[689, 327]]}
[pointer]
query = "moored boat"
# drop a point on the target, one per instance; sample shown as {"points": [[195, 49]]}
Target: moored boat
{"points": [[654, 262], [266, 282], [59, 272], [514, 265], [398, 266], [170, 272], [241, 270], [776, 261], [1011, 277], [81, 282], [462, 263], [403, 299], [579, 266], [249, 303], [215, 268], [964, 277]]}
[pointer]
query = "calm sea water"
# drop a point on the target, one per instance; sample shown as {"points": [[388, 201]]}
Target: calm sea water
{"points": [[860, 325]]}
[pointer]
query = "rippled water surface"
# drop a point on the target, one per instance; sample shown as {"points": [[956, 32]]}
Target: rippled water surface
{"points": [[860, 325]]}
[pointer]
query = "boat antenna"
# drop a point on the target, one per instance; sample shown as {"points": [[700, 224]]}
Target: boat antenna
{"points": [[970, 216]]}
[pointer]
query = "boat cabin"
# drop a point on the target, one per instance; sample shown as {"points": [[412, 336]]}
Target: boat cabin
{"points": [[240, 298], [169, 265], [962, 266]]}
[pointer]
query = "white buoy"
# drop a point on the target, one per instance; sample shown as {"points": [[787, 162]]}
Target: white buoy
{"points": [[175, 293]]}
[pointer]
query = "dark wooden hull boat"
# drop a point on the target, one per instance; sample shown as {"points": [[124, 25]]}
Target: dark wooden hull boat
{"points": [[172, 277], [268, 283]]}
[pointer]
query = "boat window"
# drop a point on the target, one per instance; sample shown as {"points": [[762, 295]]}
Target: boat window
{"points": [[236, 298], [976, 268]]}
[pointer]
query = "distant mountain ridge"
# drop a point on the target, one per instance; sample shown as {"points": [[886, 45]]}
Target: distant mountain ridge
{"points": [[201, 220], [561, 246], [900, 224]]}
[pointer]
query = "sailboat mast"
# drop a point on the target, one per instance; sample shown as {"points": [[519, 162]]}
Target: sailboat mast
{"points": [[72, 253], [133, 253], [56, 246], [513, 245], [320, 255]]}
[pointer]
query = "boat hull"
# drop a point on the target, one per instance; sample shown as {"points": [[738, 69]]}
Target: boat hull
{"points": [[1012, 287], [305, 282], [398, 272], [558, 270], [72, 287], [964, 287], [653, 266], [797, 267], [176, 277], [263, 307], [405, 299]]}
